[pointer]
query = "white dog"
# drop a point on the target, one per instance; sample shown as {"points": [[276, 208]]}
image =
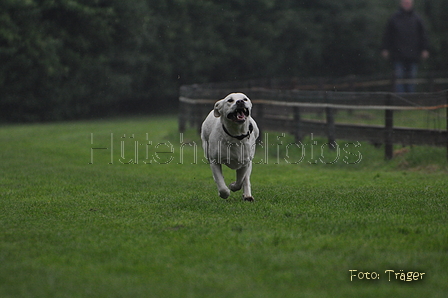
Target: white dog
{"points": [[228, 137]]}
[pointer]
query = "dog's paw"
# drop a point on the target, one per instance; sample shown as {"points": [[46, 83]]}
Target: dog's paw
{"points": [[249, 199], [224, 193], [234, 187]]}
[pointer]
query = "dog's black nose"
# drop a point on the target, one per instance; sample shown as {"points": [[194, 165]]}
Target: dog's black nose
{"points": [[240, 102]]}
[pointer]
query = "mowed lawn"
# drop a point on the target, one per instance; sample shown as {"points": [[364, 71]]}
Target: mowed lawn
{"points": [[128, 208]]}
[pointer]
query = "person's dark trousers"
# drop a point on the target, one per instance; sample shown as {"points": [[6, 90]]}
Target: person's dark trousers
{"points": [[405, 70]]}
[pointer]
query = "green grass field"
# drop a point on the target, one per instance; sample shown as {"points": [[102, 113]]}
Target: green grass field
{"points": [[142, 217]]}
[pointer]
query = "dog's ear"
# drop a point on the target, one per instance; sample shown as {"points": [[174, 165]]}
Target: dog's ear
{"points": [[217, 109]]}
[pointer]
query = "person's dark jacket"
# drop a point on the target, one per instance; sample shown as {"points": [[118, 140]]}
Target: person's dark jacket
{"points": [[405, 36]]}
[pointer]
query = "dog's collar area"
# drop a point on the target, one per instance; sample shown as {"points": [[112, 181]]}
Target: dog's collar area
{"points": [[240, 137]]}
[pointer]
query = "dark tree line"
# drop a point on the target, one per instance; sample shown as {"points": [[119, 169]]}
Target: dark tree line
{"points": [[66, 59]]}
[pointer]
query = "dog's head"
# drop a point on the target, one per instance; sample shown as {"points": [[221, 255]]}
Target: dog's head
{"points": [[235, 107]]}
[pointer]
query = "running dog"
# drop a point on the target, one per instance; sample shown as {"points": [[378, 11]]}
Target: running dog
{"points": [[229, 135]]}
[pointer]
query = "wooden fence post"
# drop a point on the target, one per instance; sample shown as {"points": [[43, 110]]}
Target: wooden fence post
{"points": [[389, 130], [259, 114], [182, 116], [297, 125], [331, 131]]}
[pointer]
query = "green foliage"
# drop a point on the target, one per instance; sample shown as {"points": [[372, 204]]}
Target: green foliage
{"points": [[54, 53], [64, 59]]}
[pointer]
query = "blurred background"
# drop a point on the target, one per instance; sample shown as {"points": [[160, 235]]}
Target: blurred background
{"points": [[77, 59]]}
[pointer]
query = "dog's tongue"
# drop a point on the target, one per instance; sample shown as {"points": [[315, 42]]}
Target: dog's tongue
{"points": [[240, 115]]}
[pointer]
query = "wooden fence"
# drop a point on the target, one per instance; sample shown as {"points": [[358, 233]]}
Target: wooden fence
{"points": [[282, 111]]}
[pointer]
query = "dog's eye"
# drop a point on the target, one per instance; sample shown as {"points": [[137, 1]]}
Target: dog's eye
{"points": [[245, 99], [230, 100]]}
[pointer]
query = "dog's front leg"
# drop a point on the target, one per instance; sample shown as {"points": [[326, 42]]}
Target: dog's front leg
{"points": [[247, 194], [243, 180], [223, 190]]}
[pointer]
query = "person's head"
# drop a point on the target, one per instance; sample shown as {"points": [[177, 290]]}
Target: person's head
{"points": [[407, 5]]}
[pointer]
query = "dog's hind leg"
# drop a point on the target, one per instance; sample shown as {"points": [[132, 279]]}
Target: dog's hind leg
{"points": [[223, 190]]}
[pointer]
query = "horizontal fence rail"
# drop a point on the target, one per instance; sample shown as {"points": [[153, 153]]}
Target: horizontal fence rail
{"points": [[282, 110]]}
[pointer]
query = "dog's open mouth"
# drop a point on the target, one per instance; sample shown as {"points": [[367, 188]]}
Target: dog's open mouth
{"points": [[240, 115]]}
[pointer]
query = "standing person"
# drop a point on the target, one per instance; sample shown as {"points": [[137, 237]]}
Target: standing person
{"points": [[405, 42]]}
